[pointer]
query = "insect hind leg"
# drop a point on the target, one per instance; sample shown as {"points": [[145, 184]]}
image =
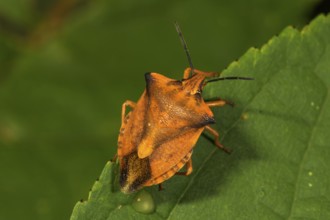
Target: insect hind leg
{"points": [[189, 169], [185, 173], [114, 159]]}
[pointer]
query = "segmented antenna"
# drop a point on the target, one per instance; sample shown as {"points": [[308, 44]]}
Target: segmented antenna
{"points": [[229, 78], [183, 42], [185, 47]]}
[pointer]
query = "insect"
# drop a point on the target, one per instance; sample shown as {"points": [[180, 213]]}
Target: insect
{"points": [[158, 135]]}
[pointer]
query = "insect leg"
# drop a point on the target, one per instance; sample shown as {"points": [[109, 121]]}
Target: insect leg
{"points": [[123, 109], [113, 160], [216, 139], [219, 102], [187, 72], [160, 187], [189, 169]]}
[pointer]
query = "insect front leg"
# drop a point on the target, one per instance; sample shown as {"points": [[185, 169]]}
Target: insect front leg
{"points": [[187, 72], [123, 109], [189, 169], [219, 103], [216, 139]]}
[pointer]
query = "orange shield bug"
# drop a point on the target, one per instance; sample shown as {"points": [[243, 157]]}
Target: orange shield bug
{"points": [[158, 135]]}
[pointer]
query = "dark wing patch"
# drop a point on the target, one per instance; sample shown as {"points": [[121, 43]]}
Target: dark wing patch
{"points": [[134, 172]]}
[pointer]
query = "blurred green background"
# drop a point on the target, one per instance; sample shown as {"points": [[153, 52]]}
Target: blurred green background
{"points": [[66, 66]]}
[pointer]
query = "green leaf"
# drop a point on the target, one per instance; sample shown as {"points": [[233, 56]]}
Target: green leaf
{"points": [[60, 98], [278, 130]]}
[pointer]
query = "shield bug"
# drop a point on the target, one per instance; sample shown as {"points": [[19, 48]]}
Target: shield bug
{"points": [[158, 135]]}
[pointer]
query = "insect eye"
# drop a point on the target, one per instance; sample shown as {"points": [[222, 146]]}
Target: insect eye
{"points": [[198, 95]]}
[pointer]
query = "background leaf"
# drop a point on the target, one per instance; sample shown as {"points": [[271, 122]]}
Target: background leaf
{"points": [[66, 66], [279, 133]]}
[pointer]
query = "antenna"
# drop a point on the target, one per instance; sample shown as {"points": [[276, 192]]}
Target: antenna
{"points": [[185, 47], [229, 78], [183, 42]]}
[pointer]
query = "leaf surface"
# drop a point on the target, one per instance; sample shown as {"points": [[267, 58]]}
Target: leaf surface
{"points": [[278, 130]]}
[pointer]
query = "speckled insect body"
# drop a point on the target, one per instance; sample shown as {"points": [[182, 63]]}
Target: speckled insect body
{"points": [[158, 135]]}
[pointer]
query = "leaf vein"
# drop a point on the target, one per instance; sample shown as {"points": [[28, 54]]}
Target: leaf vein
{"points": [[305, 155], [234, 124]]}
